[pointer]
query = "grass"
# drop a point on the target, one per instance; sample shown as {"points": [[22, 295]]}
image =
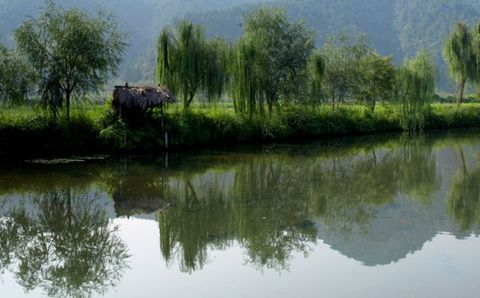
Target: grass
{"points": [[27, 131]]}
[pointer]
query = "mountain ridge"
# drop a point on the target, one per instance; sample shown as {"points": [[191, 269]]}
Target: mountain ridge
{"points": [[397, 28]]}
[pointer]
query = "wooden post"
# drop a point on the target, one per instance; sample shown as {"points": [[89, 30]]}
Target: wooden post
{"points": [[165, 134]]}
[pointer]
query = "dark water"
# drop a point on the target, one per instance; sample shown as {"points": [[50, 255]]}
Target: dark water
{"points": [[371, 217]]}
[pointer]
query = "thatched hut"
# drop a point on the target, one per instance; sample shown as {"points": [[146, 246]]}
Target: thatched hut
{"points": [[134, 100]]}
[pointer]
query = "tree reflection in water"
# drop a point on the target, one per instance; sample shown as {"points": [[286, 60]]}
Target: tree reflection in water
{"points": [[253, 208], [272, 205], [63, 245], [358, 198], [464, 198]]}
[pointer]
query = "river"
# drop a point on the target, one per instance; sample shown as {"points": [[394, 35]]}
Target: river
{"points": [[377, 216]]}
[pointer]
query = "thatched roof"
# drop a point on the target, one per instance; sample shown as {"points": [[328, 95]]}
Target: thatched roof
{"points": [[140, 98]]}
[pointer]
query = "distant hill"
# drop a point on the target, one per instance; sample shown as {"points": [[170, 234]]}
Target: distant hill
{"points": [[399, 28], [395, 27], [142, 19]]}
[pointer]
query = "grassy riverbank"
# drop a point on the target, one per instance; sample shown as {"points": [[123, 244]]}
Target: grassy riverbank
{"points": [[28, 132]]}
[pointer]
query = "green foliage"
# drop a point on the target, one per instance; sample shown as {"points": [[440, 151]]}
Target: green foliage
{"points": [[415, 90], [355, 72], [187, 63], [376, 81], [16, 77], [244, 83], [460, 55], [271, 59], [96, 131], [180, 60], [343, 55], [217, 57], [71, 52], [29, 132]]}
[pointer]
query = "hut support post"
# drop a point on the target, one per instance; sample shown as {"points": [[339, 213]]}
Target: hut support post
{"points": [[165, 134], [124, 129]]}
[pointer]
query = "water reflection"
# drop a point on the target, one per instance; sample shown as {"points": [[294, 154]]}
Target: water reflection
{"points": [[373, 201], [464, 198], [277, 204], [136, 188], [250, 205], [62, 243]]}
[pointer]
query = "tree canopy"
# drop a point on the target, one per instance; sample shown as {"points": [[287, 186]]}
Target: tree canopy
{"points": [[415, 88], [343, 54], [279, 51], [16, 76], [188, 63], [459, 53], [72, 52]]}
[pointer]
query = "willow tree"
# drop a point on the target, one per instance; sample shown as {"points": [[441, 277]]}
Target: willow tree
{"points": [[180, 59], [217, 53], [71, 51], [244, 83], [475, 35], [188, 63], [415, 89], [271, 58], [460, 56]]}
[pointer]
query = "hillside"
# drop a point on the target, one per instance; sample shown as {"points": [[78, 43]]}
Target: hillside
{"points": [[141, 19], [394, 27], [399, 28]]}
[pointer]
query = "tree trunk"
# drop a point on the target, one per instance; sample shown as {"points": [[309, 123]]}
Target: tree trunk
{"points": [[188, 99], [270, 107], [462, 90], [67, 104], [270, 102], [333, 100]]}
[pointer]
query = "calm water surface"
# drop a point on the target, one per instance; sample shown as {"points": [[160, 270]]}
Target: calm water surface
{"points": [[371, 217]]}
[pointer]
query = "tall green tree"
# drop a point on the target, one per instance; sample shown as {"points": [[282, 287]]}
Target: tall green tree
{"points": [[245, 82], [475, 35], [180, 59], [460, 56], [277, 52], [343, 54], [188, 63], [71, 51], [376, 80], [415, 89], [217, 55]]}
